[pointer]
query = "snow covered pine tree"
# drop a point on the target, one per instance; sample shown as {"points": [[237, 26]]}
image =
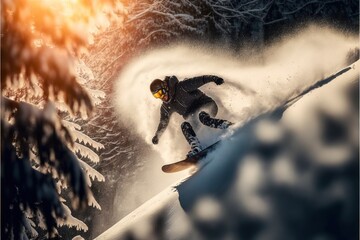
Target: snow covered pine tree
{"points": [[39, 41]]}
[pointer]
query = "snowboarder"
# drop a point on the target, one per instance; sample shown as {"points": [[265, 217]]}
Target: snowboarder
{"points": [[185, 98]]}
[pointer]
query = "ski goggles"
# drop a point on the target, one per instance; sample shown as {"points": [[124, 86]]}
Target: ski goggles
{"points": [[160, 93]]}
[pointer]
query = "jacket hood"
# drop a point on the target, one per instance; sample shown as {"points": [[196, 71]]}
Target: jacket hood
{"points": [[171, 82]]}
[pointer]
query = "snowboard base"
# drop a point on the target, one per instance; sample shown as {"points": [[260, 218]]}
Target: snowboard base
{"points": [[189, 161]]}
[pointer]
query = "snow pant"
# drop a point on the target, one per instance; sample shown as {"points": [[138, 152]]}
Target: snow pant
{"points": [[206, 114]]}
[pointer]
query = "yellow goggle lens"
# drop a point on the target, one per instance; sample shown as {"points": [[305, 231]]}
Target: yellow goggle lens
{"points": [[158, 94]]}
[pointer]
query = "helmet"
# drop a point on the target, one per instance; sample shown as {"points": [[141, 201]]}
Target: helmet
{"points": [[156, 85], [158, 88]]}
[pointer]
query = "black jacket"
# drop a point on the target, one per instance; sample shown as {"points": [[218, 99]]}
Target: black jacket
{"points": [[185, 98]]}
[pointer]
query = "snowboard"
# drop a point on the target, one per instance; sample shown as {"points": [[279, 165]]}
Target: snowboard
{"points": [[189, 161]]}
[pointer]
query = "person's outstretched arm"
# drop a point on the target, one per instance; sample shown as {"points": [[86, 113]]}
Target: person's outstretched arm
{"points": [[164, 122], [194, 83]]}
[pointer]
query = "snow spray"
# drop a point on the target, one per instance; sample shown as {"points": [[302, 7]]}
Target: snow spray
{"points": [[255, 82]]}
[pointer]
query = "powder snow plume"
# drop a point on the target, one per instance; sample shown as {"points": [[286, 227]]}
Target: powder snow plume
{"points": [[255, 82]]}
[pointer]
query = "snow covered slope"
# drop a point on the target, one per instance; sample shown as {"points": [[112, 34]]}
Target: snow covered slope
{"points": [[270, 177], [146, 211]]}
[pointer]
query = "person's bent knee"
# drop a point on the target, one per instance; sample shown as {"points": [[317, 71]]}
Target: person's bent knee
{"points": [[185, 125], [203, 116]]}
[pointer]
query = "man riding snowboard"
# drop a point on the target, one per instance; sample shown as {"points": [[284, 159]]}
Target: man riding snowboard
{"points": [[186, 99]]}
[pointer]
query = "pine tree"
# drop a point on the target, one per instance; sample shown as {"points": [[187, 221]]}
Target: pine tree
{"points": [[39, 42], [83, 145]]}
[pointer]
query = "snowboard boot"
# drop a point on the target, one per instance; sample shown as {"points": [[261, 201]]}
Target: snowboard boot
{"points": [[191, 139], [213, 122]]}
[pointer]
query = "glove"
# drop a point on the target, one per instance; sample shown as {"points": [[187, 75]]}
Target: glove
{"points": [[218, 80], [155, 140]]}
